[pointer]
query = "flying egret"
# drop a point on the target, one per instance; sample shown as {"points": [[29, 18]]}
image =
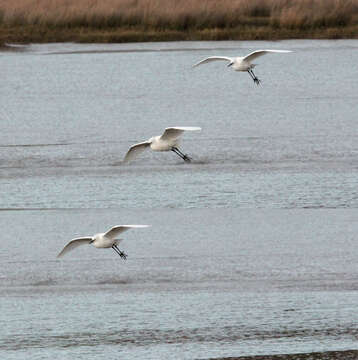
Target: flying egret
{"points": [[242, 63], [102, 240], [167, 142]]}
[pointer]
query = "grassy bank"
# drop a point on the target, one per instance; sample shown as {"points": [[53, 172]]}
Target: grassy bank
{"points": [[161, 20]]}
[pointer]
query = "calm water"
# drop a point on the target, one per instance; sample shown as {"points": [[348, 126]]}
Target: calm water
{"points": [[252, 248]]}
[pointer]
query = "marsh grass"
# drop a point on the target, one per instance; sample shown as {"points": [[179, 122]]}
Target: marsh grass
{"points": [[141, 20]]}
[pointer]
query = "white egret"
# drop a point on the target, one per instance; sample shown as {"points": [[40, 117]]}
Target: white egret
{"points": [[167, 142], [102, 240], [242, 63]]}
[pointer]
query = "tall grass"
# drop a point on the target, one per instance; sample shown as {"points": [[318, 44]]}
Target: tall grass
{"points": [[178, 16]]}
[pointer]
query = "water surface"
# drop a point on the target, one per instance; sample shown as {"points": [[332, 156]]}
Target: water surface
{"points": [[252, 248]]}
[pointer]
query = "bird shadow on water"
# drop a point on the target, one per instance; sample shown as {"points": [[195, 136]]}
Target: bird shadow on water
{"points": [[152, 164], [167, 161]]}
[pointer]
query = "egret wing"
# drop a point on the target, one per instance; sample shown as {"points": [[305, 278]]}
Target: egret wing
{"points": [[213, 58], [171, 133], [73, 244], [118, 229], [135, 150], [255, 54]]}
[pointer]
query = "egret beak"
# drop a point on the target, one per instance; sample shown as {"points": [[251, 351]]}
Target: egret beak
{"points": [[230, 64]]}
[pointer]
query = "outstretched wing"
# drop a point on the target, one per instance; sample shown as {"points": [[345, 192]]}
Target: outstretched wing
{"points": [[73, 244], [118, 229], [135, 150], [171, 133], [255, 54], [213, 58]]}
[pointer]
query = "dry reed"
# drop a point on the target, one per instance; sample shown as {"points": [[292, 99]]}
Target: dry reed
{"points": [[190, 18]]}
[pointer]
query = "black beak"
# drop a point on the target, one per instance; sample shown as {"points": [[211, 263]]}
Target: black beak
{"points": [[230, 63]]}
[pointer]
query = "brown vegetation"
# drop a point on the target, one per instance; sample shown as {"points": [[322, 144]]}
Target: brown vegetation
{"points": [[130, 20]]}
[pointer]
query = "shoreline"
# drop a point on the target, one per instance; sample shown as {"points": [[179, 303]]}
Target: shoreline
{"points": [[47, 34], [326, 355]]}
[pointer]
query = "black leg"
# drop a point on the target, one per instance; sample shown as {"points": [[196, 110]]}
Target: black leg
{"points": [[256, 80], [252, 77], [174, 149], [179, 153], [184, 156], [115, 249], [119, 252]]}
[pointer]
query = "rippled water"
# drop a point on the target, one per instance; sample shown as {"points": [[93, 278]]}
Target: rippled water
{"points": [[252, 248]]}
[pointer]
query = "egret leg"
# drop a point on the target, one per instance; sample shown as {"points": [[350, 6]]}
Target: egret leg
{"points": [[250, 74], [184, 156], [179, 153], [115, 250], [119, 252], [256, 80], [174, 149]]}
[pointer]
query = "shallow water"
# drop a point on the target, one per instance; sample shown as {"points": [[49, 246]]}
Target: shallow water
{"points": [[252, 247]]}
